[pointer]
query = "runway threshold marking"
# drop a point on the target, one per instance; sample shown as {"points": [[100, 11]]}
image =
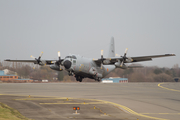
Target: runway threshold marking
{"points": [[115, 104], [167, 88]]}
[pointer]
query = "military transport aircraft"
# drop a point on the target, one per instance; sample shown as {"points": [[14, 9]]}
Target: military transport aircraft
{"points": [[82, 67]]}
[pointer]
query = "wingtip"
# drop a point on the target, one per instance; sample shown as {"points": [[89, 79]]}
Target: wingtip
{"points": [[170, 54], [7, 60]]}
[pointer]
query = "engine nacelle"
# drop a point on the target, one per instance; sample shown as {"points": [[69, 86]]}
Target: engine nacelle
{"points": [[42, 63], [55, 67], [129, 60], [117, 64]]}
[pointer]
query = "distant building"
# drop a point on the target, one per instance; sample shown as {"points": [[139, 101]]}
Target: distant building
{"points": [[115, 80], [12, 78], [1, 73], [8, 77]]}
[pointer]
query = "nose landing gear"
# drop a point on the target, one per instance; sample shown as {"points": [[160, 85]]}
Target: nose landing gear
{"points": [[70, 73]]}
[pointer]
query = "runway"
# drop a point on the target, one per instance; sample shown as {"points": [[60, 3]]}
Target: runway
{"points": [[139, 100]]}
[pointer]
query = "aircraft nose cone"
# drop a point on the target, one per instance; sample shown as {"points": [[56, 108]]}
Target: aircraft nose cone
{"points": [[67, 64]]}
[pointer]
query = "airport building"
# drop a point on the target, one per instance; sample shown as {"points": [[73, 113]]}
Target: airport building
{"points": [[12, 78], [114, 80]]}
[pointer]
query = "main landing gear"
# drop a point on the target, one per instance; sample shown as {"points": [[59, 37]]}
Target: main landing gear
{"points": [[98, 79], [79, 78]]}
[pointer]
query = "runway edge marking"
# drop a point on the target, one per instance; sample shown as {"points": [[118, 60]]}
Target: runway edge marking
{"points": [[167, 88], [121, 106]]}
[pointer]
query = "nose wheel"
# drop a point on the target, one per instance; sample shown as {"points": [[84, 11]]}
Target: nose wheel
{"points": [[70, 73]]}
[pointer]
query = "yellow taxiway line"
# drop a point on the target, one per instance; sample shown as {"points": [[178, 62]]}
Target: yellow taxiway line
{"points": [[162, 113], [167, 88], [75, 103]]}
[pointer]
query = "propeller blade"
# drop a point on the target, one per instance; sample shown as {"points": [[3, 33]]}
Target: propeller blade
{"points": [[102, 59], [101, 52], [122, 63], [117, 55], [125, 52], [59, 61], [32, 57], [40, 54], [59, 55]]}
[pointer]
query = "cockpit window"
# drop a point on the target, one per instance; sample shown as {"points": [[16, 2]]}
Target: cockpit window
{"points": [[74, 57], [68, 57]]}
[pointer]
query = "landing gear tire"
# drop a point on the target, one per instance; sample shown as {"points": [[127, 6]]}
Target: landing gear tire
{"points": [[98, 79], [79, 78]]}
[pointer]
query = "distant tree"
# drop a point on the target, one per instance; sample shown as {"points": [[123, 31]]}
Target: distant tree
{"points": [[157, 71], [60, 75], [163, 78], [128, 71], [67, 78], [137, 77]]}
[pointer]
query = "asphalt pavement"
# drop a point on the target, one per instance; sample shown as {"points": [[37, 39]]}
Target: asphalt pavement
{"points": [[122, 101]]}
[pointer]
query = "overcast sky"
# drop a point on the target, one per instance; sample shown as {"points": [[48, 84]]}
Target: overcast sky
{"points": [[84, 27]]}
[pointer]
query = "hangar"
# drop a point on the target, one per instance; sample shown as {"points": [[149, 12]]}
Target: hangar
{"points": [[115, 80]]}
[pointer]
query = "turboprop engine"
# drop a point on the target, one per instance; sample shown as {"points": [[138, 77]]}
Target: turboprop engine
{"points": [[118, 65], [55, 67]]}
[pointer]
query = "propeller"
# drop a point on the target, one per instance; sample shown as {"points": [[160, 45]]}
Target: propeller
{"points": [[124, 57], [102, 59], [59, 61], [39, 58]]}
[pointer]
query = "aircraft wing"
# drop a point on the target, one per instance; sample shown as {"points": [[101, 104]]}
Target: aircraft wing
{"points": [[110, 61], [147, 58], [47, 62]]}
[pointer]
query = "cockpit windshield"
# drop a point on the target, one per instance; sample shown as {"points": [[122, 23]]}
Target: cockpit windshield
{"points": [[67, 57], [73, 57]]}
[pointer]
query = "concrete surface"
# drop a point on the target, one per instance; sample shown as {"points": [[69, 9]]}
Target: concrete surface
{"points": [[140, 100]]}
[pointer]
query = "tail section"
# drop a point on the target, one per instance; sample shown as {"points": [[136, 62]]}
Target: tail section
{"points": [[111, 48]]}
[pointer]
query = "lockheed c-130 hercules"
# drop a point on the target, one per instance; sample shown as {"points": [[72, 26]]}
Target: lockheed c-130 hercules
{"points": [[82, 67]]}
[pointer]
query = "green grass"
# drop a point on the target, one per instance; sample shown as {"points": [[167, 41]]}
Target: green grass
{"points": [[7, 113]]}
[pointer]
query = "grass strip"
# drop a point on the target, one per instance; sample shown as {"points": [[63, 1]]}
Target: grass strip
{"points": [[8, 113]]}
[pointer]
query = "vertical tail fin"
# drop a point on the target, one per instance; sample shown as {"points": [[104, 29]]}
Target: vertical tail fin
{"points": [[111, 48]]}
